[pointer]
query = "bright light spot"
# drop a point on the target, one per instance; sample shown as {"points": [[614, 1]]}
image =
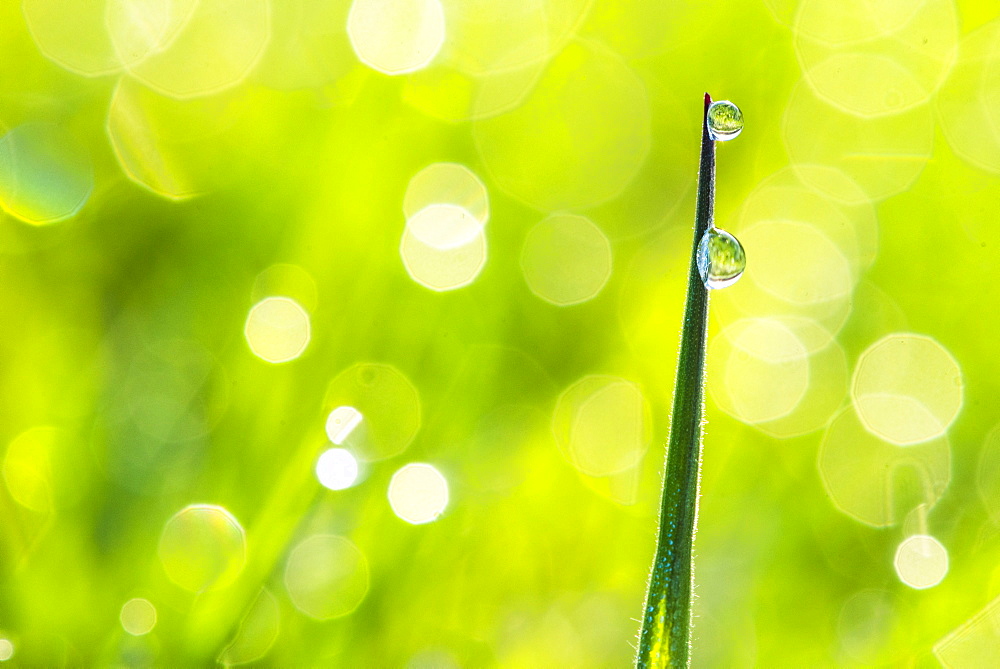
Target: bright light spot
{"points": [[396, 36], [754, 353], [860, 40], [341, 422], [444, 244], [828, 380], [447, 268], [883, 155], [45, 174], [447, 183], [277, 329], [138, 616], [388, 402], [200, 48], [876, 482], [337, 469], [6, 650], [848, 224], [203, 547], [326, 576], [796, 262], [566, 259], [907, 389], [894, 88], [602, 424], [921, 561], [418, 493], [140, 28], [811, 249], [257, 633], [444, 226], [975, 642], [813, 336]]}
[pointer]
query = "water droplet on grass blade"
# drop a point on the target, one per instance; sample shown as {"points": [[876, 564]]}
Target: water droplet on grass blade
{"points": [[725, 120], [721, 259]]}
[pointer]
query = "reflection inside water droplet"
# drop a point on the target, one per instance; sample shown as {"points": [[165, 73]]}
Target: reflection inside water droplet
{"points": [[725, 120], [721, 259]]}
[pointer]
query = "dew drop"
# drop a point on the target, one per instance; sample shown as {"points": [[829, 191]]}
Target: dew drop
{"points": [[721, 259], [725, 120]]}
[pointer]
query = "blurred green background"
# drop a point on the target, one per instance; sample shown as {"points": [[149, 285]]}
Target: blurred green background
{"points": [[451, 237]]}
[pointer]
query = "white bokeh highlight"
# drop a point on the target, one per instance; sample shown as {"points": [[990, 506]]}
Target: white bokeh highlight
{"points": [[277, 329], [337, 469], [396, 36], [138, 616], [921, 561], [341, 422], [907, 389], [418, 493]]}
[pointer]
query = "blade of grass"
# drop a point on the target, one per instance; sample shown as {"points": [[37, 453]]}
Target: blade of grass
{"points": [[665, 639]]}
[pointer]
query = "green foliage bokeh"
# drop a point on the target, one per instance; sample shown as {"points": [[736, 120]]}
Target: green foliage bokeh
{"points": [[122, 329]]}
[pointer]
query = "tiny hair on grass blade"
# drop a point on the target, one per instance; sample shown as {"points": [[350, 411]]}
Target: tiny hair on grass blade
{"points": [[717, 260]]}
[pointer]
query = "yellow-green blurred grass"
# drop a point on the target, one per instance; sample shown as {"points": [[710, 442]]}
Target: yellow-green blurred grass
{"points": [[533, 563]]}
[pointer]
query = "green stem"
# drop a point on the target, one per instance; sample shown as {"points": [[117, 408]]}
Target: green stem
{"points": [[665, 640]]}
